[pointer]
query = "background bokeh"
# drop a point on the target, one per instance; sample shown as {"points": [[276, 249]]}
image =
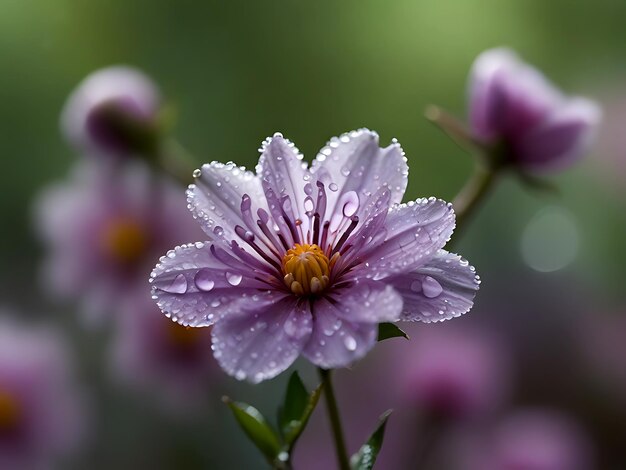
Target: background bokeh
{"points": [[237, 72]]}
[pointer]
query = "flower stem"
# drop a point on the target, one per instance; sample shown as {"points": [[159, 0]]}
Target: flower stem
{"points": [[335, 421], [472, 194]]}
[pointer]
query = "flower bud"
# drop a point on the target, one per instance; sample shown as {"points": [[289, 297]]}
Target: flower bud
{"points": [[525, 121], [113, 111]]}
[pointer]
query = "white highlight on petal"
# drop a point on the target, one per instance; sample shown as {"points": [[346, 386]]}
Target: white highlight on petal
{"points": [[551, 240]]}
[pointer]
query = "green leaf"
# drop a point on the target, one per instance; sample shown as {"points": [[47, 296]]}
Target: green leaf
{"points": [[390, 330], [256, 427], [365, 458], [296, 399], [297, 409]]}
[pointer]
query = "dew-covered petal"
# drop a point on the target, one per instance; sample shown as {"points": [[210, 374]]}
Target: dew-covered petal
{"points": [[444, 288], [337, 342], [413, 233], [367, 301], [283, 173], [215, 198], [261, 341], [194, 287], [561, 138], [355, 162]]}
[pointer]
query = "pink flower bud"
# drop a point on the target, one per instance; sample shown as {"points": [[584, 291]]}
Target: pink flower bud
{"points": [[113, 112], [512, 106]]}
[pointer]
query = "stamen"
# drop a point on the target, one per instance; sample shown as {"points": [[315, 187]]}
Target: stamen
{"points": [[306, 269]]}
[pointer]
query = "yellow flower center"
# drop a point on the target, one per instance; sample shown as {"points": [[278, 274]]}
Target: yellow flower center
{"points": [[9, 411], [306, 269], [125, 240]]}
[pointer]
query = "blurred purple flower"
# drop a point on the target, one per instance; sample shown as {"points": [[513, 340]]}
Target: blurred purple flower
{"points": [[113, 111], [173, 362], [310, 260], [512, 105], [454, 373], [104, 229], [530, 439], [41, 409]]}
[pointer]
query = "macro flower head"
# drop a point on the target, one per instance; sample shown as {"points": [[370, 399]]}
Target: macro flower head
{"points": [[42, 413], [103, 228], [309, 260], [514, 108], [113, 112]]}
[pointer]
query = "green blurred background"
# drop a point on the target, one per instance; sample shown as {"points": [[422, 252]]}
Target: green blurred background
{"points": [[238, 71]]}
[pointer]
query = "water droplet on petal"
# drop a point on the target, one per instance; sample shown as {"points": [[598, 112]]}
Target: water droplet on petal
{"points": [[350, 343], [431, 287], [416, 286], [197, 173], [203, 280], [333, 187], [233, 279], [176, 286]]}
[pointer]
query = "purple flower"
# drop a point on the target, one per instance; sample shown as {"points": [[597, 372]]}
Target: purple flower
{"points": [[530, 439], [41, 409], [309, 260], [513, 106], [104, 229], [113, 111], [454, 373], [153, 354]]}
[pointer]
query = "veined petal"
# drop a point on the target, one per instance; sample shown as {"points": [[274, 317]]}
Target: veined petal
{"points": [[282, 172], [215, 198], [561, 138], [195, 288], [355, 162], [337, 341], [414, 233], [442, 289], [262, 340], [368, 301]]}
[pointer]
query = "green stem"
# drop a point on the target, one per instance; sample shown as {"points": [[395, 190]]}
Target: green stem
{"points": [[335, 421], [472, 194]]}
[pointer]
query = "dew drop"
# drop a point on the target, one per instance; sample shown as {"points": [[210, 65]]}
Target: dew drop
{"points": [[203, 280], [197, 173], [350, 343], [333, 187], [416, 286], [176, 286], [431, 287], [233, 279]]}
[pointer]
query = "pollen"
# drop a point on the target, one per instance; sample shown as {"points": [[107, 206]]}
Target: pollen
{"points": [[307, 269], [125, 240], [9, 411]]}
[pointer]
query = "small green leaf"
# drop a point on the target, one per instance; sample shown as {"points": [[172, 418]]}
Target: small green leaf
{"points": [[296, 399], [390, 330], [256, 427], [365, 458]]}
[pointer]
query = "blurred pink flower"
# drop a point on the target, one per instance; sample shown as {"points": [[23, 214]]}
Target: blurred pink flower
{"points": [[104, 229], [512, 105], [530, 439], [453, 372], [41, 408], [112, 111], [153, 354]]}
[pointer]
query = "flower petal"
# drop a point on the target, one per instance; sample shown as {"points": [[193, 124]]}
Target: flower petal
{"points": [[444, 288], [366, 301], [263, 339], [355, 162], [215, 198], [282, 171], [414, 233], [563, 137], [337, 341], [195, 288]]}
